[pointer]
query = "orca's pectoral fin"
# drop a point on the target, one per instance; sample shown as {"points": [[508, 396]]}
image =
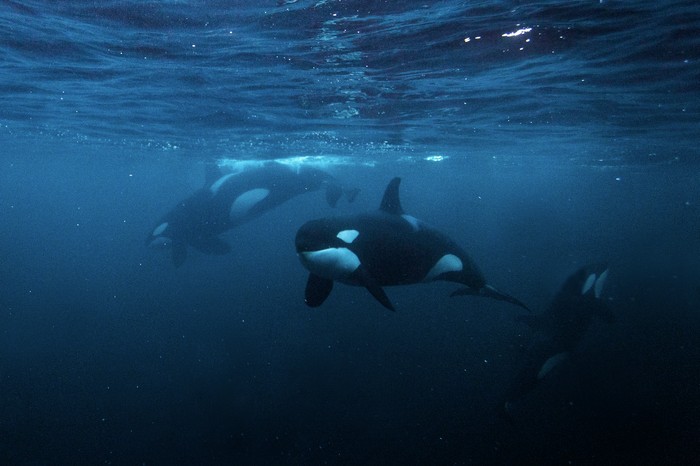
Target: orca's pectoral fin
{"points": [[179, 254], [333, 193], [380, 296], [317, 290], [488, 291], [365, 279], [212, 245]]}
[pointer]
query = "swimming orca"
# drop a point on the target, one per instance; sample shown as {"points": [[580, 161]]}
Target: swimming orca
{"points": [[229, 200], [558, 330], [384, 248]]}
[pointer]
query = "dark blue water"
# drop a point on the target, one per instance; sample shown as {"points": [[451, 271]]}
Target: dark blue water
{"points": [[567, 133]]}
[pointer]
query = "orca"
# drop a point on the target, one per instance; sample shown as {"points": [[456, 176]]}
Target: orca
{"points": [[559, 329], [229, 200], [386, 247]]}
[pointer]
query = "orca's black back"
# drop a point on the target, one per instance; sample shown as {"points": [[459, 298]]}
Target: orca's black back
{"points": [[395, 252]]}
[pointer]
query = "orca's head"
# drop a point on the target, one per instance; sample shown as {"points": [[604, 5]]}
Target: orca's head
{"points": [[587, 282], [161, 237], [325, 248]]}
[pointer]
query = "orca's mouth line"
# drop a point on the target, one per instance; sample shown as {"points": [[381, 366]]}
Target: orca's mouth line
{"points": [[306, 252], [303, 247]]}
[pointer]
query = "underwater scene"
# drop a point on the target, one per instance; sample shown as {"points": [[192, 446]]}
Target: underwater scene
{"points": [[349, 232]]}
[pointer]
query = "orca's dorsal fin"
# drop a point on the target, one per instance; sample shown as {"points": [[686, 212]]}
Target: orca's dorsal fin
{"points": [[390, 202]]}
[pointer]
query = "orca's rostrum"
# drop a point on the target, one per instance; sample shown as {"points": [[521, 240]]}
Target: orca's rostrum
{"points": [[386, 247]]}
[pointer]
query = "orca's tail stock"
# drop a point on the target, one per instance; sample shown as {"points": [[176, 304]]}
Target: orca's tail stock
{"points": [[488, 291]]}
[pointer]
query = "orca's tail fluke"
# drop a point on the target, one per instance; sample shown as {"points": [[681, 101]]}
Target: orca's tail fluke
{"points": [[487, 291], [335, 191]]}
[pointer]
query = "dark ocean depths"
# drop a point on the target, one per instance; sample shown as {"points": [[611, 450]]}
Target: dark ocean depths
{"points": [[541, 136]]}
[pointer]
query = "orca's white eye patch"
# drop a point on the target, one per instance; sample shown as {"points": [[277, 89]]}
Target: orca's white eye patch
{"points": [[599, 284], [160, 229], [348, 235], [216, 186], [413, 221], [588, 284]]}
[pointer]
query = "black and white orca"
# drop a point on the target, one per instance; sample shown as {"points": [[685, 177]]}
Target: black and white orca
{"points": [[558, 330], [229, 200], [384, 248]]}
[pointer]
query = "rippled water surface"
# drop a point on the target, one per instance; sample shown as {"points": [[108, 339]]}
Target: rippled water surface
{"points": [[353, 77], [539, 135]]}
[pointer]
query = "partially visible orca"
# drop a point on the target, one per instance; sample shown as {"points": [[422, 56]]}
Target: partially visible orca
{"points": [[228, 200], [558, 330], [384, 248]]}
